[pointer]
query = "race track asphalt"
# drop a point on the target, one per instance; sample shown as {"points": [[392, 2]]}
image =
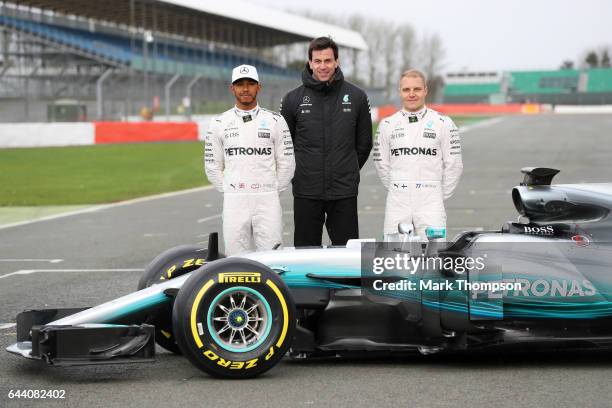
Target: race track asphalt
{"points": [[90, 258]]}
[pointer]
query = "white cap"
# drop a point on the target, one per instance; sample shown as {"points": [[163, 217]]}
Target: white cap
{"points": [[244, 71]]}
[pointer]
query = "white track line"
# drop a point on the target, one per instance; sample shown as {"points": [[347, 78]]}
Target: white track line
{"points": [[107, 206], [31, 271], [31, 260], [212, 217], [7, 325], [481, 124]]}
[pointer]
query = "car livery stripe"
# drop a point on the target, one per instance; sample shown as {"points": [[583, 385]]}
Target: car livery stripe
{"points": [[194, 312], [134, 307], [285, 312], [511, 307]]}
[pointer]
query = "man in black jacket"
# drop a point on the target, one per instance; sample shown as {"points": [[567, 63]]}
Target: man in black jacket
{"points": [[331, 127]]}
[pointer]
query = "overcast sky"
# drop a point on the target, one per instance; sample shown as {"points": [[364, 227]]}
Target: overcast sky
{"points": [[490, 34]]}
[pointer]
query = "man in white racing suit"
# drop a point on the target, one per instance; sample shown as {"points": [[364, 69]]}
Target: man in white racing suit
{"points": [[417, 154], [249, 157]]}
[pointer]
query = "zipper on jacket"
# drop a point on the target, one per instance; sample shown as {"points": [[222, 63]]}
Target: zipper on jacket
{"points": [[324, 150]]}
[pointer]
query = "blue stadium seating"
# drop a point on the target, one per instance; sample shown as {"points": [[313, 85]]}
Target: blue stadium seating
{"points": [[102, 45], [162, 56]]}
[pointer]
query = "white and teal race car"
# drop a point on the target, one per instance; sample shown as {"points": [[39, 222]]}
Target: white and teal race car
{"points": [[543, 281]]}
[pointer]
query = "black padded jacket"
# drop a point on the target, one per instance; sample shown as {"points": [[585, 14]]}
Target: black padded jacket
{"points": [[331, 128]]}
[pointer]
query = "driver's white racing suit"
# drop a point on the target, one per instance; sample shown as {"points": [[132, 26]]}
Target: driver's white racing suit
{"points": [[418, 158], [249, 157]]}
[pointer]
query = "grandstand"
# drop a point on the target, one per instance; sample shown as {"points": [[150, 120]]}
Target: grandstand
{"points": [[115, 57], [472, 87], [560, 87]]}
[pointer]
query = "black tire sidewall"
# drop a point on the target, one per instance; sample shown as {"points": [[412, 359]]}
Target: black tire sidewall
{"points": [[211, 355], [172, 257]]}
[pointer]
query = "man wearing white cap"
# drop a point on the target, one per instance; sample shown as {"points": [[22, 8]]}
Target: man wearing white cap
{"points": [[249, 157]]}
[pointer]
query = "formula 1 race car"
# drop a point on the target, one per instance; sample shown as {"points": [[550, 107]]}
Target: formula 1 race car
{"points": [[542, 281]]}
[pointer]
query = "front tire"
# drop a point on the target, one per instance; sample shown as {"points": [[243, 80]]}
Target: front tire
{"points": [[234, 318]]}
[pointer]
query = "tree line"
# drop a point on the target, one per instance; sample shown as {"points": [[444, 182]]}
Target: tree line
{"points": [[392, 48], [593, 58]]}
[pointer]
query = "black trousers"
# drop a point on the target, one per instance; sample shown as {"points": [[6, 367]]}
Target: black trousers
{"points": [[339, 217]]}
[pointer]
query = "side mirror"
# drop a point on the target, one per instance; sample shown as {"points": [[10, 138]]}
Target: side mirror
{"points": [[435, 233], [405, 229], [411, 244]]}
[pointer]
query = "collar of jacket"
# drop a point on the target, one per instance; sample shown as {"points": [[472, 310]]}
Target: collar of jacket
{"points": [[310, 82]]}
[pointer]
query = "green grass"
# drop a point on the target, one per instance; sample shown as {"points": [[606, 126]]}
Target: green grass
{"points": [[104, 174], [97, 174]]}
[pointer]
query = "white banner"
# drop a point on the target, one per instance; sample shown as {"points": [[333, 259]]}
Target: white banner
{"points": [[46, 134], [583, 109]]}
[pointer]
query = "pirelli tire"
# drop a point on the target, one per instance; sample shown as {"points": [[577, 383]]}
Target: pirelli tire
{"points": [[170, 264], [234, 318]]}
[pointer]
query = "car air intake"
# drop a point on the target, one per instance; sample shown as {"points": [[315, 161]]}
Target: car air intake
{"points": [[538, 176]]}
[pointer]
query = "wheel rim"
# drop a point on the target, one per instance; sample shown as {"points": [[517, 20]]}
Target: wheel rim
{"points": [[239, 319]]}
